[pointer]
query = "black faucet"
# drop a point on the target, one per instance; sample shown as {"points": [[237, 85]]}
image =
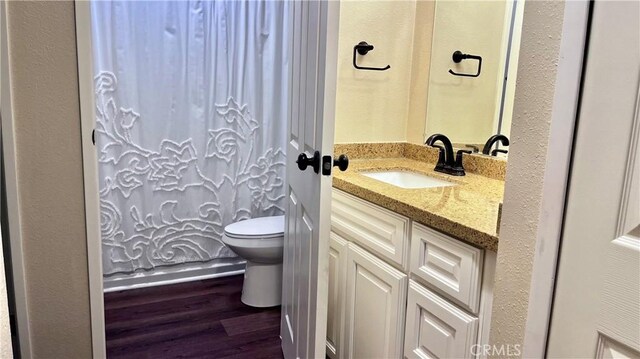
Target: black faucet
{"points": [[493, 139], [441, 165], [446, 163], [458, 169], [445, 158]]}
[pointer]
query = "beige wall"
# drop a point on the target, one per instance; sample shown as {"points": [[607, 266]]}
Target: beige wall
{"points": [[419, 90], [466, 108], [373, 105], [44, 89], [512, 75], [541, 35]]}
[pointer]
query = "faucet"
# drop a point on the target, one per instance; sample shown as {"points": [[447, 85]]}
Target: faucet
{"points": [[493, 139], [445, 158], [446, 163]]}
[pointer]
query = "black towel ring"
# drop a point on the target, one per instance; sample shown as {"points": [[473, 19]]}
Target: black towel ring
{"points": [[458, 56], [363, 48]]}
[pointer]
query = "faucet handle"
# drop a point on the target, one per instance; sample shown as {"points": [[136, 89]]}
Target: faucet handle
{"points": [[458, 168], [459, 156], [496, 151]]}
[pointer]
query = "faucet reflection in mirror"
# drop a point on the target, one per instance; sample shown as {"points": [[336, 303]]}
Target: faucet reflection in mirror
{"points": [[491, 141]]}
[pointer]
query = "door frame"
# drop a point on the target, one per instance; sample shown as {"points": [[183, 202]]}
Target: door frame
{"points": [[90, 170], [564, 112], [11, 183]]}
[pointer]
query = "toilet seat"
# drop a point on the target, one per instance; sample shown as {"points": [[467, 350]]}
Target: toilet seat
{"points": [[256, 228]]}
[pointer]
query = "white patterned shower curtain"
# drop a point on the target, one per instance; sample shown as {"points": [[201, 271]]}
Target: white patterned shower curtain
{"points": [[191, 101]]}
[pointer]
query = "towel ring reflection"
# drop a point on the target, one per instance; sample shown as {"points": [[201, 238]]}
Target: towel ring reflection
{"points": [[458, 56]]}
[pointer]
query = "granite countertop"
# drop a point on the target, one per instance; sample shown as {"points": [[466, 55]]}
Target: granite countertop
{"points": [[467, 211]]}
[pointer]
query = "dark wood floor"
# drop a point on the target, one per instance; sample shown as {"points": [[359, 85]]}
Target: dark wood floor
{"points": [[202, 319]]}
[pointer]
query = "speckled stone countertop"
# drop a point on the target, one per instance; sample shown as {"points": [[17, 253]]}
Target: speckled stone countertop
{"points": [[467, 211]]}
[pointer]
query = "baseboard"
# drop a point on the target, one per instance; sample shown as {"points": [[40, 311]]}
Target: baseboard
{"points": [[174, 274]]}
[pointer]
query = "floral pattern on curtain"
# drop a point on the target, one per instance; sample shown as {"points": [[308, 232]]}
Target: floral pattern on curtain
{"points": [[190, 127]]}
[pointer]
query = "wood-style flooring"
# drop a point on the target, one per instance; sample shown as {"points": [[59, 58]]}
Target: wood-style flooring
{"points": [[200, 319]]}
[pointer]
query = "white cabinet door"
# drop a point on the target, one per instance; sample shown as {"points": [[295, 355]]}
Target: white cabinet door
{"points": [[375, 307], [337, 288], [436, 328]]}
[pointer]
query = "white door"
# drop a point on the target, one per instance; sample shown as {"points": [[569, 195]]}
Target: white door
{"points": [[313, 62], [596, 310]]}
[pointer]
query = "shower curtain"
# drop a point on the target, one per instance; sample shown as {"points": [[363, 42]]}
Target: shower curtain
{"points": [[191, 101]]}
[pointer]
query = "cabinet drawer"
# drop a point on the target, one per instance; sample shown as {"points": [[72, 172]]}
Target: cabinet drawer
{"points": [[449, 266], [375, 307], [381, 231], [436, 328]]}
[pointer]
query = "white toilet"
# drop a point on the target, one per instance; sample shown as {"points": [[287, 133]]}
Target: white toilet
{"points": [[260, 242]]}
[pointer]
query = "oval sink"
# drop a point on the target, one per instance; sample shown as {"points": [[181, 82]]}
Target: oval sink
{"points": [[409, 180]]}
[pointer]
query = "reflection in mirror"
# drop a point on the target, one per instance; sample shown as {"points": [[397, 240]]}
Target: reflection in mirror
{"points": [[468, 109], [418, 95]]}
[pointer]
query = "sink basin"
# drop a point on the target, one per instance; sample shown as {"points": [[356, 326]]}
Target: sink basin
{"points": [[408, 180]]}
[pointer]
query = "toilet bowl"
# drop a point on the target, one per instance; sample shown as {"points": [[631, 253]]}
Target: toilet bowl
{"points": [[259, 241]]}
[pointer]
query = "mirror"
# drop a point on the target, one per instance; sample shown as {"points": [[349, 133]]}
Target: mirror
{"points": [[468, 108], [418, 95]]}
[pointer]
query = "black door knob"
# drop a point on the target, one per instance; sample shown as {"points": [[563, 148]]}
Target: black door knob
{"points": [[342, 162], [304, 161]]}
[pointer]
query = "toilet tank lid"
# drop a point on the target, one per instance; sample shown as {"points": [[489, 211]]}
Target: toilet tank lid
{"points": [[257, 227]]}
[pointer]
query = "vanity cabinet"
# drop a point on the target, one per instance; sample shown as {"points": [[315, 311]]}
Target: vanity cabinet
{"points": [[386, 301]]}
